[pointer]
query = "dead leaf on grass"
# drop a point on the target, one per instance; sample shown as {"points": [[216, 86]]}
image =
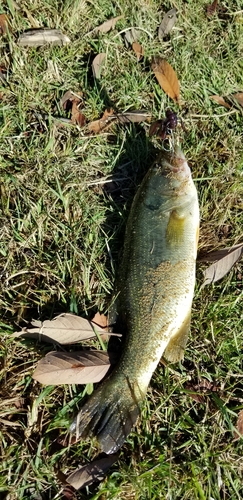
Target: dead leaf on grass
{"points": [[134, 116], [66, 328], [166, 77], [77, 117], [220, 268], [216, 254], [239, 426], [105, 121], [220, 100], [3, 24], [39, 37], [138, 49], [238, 96], [211, 9], [92, 472], [80, 367], [100, 320], [167, 23], [97, 64], [107, 25]]}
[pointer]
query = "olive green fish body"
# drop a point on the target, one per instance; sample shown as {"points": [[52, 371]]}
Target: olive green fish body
{"points": [[155, 292]]}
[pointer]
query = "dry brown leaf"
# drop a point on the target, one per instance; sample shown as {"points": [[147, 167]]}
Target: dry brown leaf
{"points": [[220, 100], [81, 367], [138, 49], [38, 37], [220, 268], [166, 77], [66, 328], [107, 25], [68, 98], [77, 117], [100, 320], [211, 9], [92, 472], [97, 64], [167, 23], [239, 425], [3, 24], [238, 96], [105, 121]]}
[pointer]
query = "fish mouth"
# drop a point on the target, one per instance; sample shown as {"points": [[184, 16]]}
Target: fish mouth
{"points": [[176, 162]]}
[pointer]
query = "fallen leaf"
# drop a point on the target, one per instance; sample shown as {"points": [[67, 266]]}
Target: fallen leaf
{"points": [[220, 268], [3, 24], [211, 9], [100, 320], [217, 254], [166, 77], [80, 367], [69, 96], [64, 329], [138, 49], [97, 64], [239, 98], [167, 23], [38, 37], [105, 121], [77, 117], [134, 116], [92, 472], [239, 425], [107, 25], [220, 100]]}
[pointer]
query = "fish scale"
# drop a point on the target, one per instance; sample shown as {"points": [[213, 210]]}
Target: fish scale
{"points": [[155, 291]]}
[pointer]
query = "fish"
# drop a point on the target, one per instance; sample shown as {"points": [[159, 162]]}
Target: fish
{"points": [[155, 293]]}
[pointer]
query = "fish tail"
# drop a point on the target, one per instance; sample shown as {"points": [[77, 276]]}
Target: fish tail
{"points": [[109, 414]]}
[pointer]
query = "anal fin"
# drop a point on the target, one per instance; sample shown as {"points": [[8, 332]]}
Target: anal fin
{"points": [[174, 351]]}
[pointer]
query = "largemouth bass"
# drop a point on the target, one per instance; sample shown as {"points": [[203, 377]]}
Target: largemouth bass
{"points": [[156, 286]]}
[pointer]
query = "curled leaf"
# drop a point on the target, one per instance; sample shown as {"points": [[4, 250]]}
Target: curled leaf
{"points": [[220, 268], [166, 77], [81, 367], [38, 37], [77, 117], [64, 329], [105, 121], [92, 472], [97, 64], [167, 23], [107, 25]]}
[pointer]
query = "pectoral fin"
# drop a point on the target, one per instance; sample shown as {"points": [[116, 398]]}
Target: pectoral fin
{"points": [[174, 351]]}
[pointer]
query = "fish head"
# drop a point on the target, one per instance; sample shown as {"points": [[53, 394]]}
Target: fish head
{"points": [[174, 164]]}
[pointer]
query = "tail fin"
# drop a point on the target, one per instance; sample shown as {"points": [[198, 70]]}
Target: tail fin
{"points": [[109, 414]]}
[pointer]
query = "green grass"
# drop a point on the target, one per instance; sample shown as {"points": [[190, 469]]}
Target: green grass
{"points": [[57, 219]]}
